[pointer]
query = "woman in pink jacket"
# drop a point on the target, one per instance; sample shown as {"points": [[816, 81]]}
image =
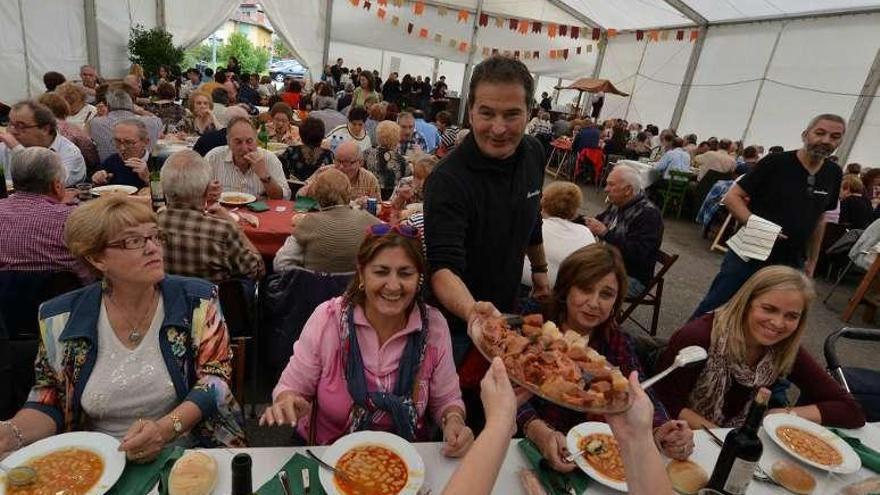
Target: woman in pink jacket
{"points": [[376, 358]]}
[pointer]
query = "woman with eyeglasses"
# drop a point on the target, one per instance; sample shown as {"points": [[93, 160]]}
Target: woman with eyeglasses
{"points": [[376, 358], [141, 356]]}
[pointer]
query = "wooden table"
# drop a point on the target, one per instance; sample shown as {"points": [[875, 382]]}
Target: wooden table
{"points": [[267, 462], [560, 153]]}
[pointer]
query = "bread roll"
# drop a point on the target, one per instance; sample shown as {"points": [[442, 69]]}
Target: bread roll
{"points": [[686, 477], [793, 477], [865, 487], [193, 474]]}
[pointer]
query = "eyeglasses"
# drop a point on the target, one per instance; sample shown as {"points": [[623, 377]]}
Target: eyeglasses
{"points": [[811, 183], [19, 126], [404, 229], [128, 143], [139, 241]]}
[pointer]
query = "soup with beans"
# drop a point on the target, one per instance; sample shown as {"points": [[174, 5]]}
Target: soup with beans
{"points": [[371, 470], [603, 453], [69, 471], [809, 445]]}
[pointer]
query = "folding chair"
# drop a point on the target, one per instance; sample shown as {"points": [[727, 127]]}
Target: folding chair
{"points": [[862, 383], [651, 295], [861, 295], [676, 190], [238, 299]]}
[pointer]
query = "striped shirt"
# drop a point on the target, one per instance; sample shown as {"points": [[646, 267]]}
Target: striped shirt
{"points": [[233, 179], [71, 158], [32, 229], [101, 130]]}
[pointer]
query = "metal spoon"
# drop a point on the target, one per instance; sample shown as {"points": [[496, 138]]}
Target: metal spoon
{"points": [[688, 355], [19, 476], [341, 474]]}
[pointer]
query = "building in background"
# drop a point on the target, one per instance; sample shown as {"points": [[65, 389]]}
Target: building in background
{"points": [[251, 21]]}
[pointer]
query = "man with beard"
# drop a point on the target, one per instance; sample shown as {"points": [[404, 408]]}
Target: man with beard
{"points": [[792, 189]]}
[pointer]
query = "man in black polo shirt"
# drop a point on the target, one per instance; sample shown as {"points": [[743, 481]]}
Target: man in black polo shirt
{"points": [[482, 206], [792, 189]]}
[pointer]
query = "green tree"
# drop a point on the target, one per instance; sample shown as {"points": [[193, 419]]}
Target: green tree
{"points": [[280, 49], [199, 53], [152, 48], [251, 58]]}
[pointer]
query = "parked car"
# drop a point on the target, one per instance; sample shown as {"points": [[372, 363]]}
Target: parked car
{"points": [[280, 69]]}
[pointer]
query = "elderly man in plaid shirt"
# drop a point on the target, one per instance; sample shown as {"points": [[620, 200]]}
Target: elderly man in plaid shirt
{"points": [[206, 243]]}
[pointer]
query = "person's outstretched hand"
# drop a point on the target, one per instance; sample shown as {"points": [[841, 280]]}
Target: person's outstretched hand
{"points": [[499, 401], [638, 419]]}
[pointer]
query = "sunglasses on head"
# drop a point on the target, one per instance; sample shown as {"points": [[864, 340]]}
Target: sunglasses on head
{"points": [[405, 230]]}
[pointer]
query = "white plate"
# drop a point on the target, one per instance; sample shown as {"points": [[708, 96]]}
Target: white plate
{"points": [[122, 189], [237, 198], [571, 441], [851, 462], [104, 445], [392, 442]]}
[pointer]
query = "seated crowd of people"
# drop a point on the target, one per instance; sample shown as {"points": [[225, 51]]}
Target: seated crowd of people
{"points": [[476, 227]]}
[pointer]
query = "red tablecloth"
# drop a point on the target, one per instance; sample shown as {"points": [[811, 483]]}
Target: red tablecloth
{"points": [[274, 227], [561, 144]]}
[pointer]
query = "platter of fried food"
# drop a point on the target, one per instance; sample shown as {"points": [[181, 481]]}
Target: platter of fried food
{"points": [[557, 367], [811, 443]]}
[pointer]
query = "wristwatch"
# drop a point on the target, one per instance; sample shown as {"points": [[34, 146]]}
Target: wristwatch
{"points": [[176, 425]]}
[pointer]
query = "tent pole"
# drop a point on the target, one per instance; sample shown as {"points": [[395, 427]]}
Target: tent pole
{"points": [[462, 105], [558, 84], [91, 25], [860, 110], [600, 56], [632, 92], [761, 83], [689, 73], [328, 18], [160, 14], [436, 69], [24, 47]]}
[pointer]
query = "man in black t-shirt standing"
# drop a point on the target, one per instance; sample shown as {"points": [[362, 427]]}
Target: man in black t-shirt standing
{"points": [[792, 189]]}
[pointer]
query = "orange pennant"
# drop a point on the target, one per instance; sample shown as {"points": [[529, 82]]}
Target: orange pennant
{"points": [[694, 35], [462, 47], [611, 33], [381, 13], [355, 2], [552, 30], [463, 15], [423, 33], [523, 27], [664, 36], [418, 8], [653, 35]]}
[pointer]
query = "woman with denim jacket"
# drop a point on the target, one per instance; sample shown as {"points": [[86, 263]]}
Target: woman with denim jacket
{"points": [[141, 356]]}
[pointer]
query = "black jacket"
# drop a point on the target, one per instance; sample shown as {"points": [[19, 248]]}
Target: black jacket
{"points": [[480, 216], [636, 229]]}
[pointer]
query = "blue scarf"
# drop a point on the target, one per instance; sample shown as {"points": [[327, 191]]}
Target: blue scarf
{"points": [[401, 403]]}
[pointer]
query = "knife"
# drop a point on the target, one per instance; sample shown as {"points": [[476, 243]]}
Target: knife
{"points": [[285, 486]]}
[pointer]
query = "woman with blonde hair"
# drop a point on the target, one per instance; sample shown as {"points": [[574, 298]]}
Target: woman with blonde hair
{"points": [[141, 356], [80, 111], [200, 117], [410, 189], [753, 341], [385, 161]]}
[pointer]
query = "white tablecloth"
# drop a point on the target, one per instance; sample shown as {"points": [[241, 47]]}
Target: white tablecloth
{"points": [[646, 171], [267, 462]]}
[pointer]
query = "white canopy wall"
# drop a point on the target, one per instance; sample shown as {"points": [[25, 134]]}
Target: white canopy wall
{"points": [[866, 149]]}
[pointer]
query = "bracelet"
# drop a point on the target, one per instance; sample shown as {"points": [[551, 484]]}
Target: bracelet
{"points": [[542, 268], [446, 417], [16, 432]]}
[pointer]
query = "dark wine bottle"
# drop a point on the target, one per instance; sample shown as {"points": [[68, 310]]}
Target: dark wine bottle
{"points": [[3, 192], [241, 475], [741, 451]]}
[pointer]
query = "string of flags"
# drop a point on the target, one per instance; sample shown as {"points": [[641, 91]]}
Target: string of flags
{"points": [[522, 26]]}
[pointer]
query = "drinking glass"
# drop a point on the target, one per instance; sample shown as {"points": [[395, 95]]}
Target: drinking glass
{"points": [[84, 191]]}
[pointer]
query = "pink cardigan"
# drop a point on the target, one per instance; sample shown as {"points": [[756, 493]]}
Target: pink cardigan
{"points": [[316, 368]]}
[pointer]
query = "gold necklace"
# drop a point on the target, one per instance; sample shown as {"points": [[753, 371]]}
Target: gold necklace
{"points": [[134, 335]]}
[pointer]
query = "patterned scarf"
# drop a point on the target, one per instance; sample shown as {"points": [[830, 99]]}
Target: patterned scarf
{"points": [[707, 397], [401, 403]]}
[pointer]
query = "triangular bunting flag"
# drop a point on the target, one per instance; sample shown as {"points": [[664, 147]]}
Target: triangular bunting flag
{"points": [[494, 51], [442, 11], [452, 42], [528, 55], [367, 5], [612, 33], [589, 48], [653, 35], [523, 27], [484, 20], [597, 33], [552, 54], [516, 54], [485, 51], [578, 50], [499, 22], [679, 35], [664, 35], [438, 38], [380, 13], [383, 3], [513, 24], [563, 30], [565, 54], [640, 35], [463, 15], [423, 33], [462, 47], [395, 20], [355, 2], [551, 30], [409, 28], [536, 27], [418, 8], [575, 32], [694, 35], [536, 54], [398, 3]]}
